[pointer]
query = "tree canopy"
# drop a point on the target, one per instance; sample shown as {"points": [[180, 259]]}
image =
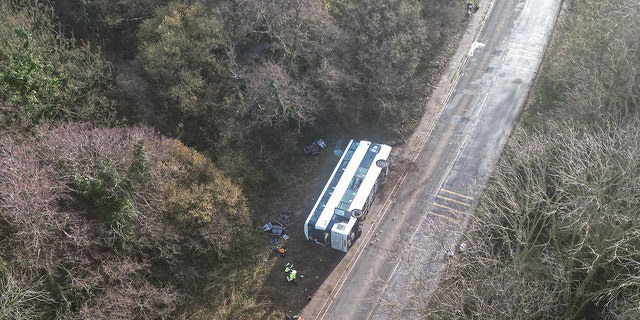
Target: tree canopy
{"points": [[139, 139], [117, 204], [44, 75]]}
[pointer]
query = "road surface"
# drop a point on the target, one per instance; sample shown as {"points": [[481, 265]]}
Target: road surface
{"points": [[443, 167]]}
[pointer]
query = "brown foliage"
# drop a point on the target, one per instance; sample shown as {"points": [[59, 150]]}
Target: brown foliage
{"points": [[201, 199], [84, 265]]}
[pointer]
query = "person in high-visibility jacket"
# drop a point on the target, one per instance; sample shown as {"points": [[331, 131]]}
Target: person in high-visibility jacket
{"points": [[292, 276], [288, 268]]}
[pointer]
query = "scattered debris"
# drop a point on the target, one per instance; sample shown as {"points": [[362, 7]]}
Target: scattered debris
{"points": [[315, 148], [475, 46], [450, 254], [339, 148], [277, 228], [281, 249], [397, 142], [290, 316]]}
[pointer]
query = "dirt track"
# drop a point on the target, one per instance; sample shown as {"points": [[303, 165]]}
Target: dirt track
{"points": [[441, 169]]}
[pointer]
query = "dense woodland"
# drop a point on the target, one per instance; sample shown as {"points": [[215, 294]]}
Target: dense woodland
{"points": [[140, 139], [556, 233]]}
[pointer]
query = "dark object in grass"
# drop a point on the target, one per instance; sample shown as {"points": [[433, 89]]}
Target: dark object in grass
{"points": [[315, 148]]}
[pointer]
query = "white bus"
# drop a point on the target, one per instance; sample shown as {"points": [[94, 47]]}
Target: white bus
{"points": [[336, 218]]}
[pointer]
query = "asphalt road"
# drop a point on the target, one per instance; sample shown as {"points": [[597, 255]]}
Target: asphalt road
{"points": [[442, 168]]}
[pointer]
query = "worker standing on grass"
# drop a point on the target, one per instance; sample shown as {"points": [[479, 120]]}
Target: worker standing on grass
{"points": [[292, 276]]}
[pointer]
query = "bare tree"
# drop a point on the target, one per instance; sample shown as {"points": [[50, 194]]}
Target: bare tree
{"points": [[556, 230], [273, 98]]}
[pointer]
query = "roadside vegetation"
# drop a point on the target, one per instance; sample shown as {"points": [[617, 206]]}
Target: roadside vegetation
{"points": [[555, 234], [144, 143]]}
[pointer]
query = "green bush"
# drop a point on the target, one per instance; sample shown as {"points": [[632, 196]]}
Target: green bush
{"points": [[106, 197], [108, 194], [29, 80]]}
